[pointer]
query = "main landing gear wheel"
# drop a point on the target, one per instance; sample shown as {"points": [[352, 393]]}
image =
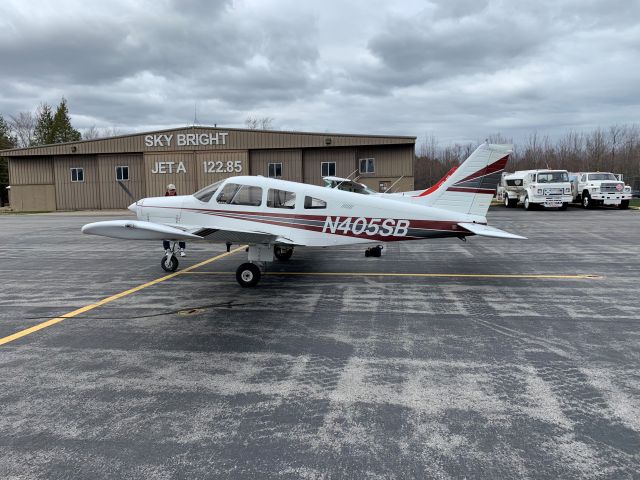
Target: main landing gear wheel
{"points": [[373, 251], [248, 275], [169, 264], [282, 253]]}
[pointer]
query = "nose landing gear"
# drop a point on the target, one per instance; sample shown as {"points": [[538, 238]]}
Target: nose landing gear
{"points": [[169, 262]]}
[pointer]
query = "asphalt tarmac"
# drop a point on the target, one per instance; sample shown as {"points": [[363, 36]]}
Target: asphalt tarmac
{"points": [[448, 366]]}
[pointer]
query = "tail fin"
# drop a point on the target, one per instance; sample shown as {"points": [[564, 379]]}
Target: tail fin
{"points": [[471, 187], [435, 186]]}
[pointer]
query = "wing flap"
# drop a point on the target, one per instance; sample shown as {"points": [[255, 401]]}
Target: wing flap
{"points": [[137, 230], [487, 231]]}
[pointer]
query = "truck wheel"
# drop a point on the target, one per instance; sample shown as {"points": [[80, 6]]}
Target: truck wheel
{"points": [[586, 201], [527, 204], [624, 204], [507, 203]]}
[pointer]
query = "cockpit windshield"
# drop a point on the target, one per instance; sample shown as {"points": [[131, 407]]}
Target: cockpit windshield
{"points": [[206, 193], [347, 185]]}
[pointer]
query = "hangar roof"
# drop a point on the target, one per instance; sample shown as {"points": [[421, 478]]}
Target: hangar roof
{"points": [[207, 138]]}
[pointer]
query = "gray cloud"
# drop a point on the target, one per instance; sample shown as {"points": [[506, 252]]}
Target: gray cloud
{"points": [[457, 69]]}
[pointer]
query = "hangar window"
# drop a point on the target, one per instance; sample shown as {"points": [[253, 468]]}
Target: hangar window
{"points": [[77, 174], [328, 169], [122, 173], [311, 202], [280, 199], [274, 170], [236, 194], [367, 165]]}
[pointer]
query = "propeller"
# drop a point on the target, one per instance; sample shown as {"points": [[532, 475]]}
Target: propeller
{"points": [[127, 191]]}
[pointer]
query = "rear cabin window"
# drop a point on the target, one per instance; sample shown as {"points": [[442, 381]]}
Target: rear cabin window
{"points": [[280, 199], [236, 194], [312, 202]]}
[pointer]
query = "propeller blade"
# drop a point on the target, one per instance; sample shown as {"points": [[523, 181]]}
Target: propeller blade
{"points": [[127, 191]]}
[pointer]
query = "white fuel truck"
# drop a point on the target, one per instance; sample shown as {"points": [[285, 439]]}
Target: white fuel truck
{"points": [[534, 188], [599, 188]]}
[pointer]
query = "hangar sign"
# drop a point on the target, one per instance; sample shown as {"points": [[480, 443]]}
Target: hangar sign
{"points": [[186, 139]]}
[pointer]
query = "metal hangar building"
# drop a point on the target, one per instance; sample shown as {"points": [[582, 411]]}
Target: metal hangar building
{"points": [[83, 175]]}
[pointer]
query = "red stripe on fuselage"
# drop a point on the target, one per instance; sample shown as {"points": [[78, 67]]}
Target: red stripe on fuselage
{"points": [[446, 227]]}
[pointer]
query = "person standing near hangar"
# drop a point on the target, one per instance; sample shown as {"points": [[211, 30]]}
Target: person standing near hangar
{"points": [[171, 192]]}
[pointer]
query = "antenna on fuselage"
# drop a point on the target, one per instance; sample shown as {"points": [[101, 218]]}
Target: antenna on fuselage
{"points": [[393, 185]]}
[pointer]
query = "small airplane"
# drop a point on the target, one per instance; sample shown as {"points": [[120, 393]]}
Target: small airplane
{"points": [[275, 216]]}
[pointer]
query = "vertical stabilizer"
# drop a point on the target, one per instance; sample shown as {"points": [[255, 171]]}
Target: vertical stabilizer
{"points": [[471, 187]]}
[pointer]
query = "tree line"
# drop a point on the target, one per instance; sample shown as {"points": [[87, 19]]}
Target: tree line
{"points": [[614, 149]]}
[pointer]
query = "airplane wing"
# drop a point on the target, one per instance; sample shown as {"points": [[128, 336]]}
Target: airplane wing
{"points": [[139, 230], [487, 231]]}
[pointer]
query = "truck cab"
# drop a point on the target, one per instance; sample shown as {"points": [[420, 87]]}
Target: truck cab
{"points": [[537, 188], [591, 189]]}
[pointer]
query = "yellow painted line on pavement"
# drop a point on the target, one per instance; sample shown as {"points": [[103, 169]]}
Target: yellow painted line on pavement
{"points": [[53, 321], [425, 275]]}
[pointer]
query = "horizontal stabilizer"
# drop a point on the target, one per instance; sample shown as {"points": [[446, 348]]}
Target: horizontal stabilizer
{"points": [[137, 230], [487, 231]]}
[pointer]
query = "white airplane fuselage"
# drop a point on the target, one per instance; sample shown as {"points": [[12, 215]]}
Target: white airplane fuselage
{"points": [[347, 218]]}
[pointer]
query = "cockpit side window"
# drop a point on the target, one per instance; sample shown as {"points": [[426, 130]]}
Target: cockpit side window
{"points": [[236, 194], [280, 199]]}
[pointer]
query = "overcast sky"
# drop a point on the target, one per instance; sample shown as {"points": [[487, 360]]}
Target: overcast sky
{"points": [[459, 70]]}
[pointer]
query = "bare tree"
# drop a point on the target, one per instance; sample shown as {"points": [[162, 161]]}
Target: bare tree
{"points": [[22, 126], [94, 132], [262, 123], [91, 133]]}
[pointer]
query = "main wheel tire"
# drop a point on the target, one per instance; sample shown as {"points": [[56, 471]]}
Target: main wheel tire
{"points": [[281, 253], [248, 275], [527, 203], [624, 204], [564, 206], [586, 201], [169, 264]]}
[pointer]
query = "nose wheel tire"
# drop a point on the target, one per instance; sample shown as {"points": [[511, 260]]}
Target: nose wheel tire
{"points": [[169, 264], [248, 275]]}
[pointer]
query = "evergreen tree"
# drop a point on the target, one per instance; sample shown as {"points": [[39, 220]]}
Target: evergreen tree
{"points": [[62, 130], [6, 141], [43, 133]]}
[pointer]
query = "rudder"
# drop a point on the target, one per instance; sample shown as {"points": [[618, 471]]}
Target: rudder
{"points": [[471, 187]]}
